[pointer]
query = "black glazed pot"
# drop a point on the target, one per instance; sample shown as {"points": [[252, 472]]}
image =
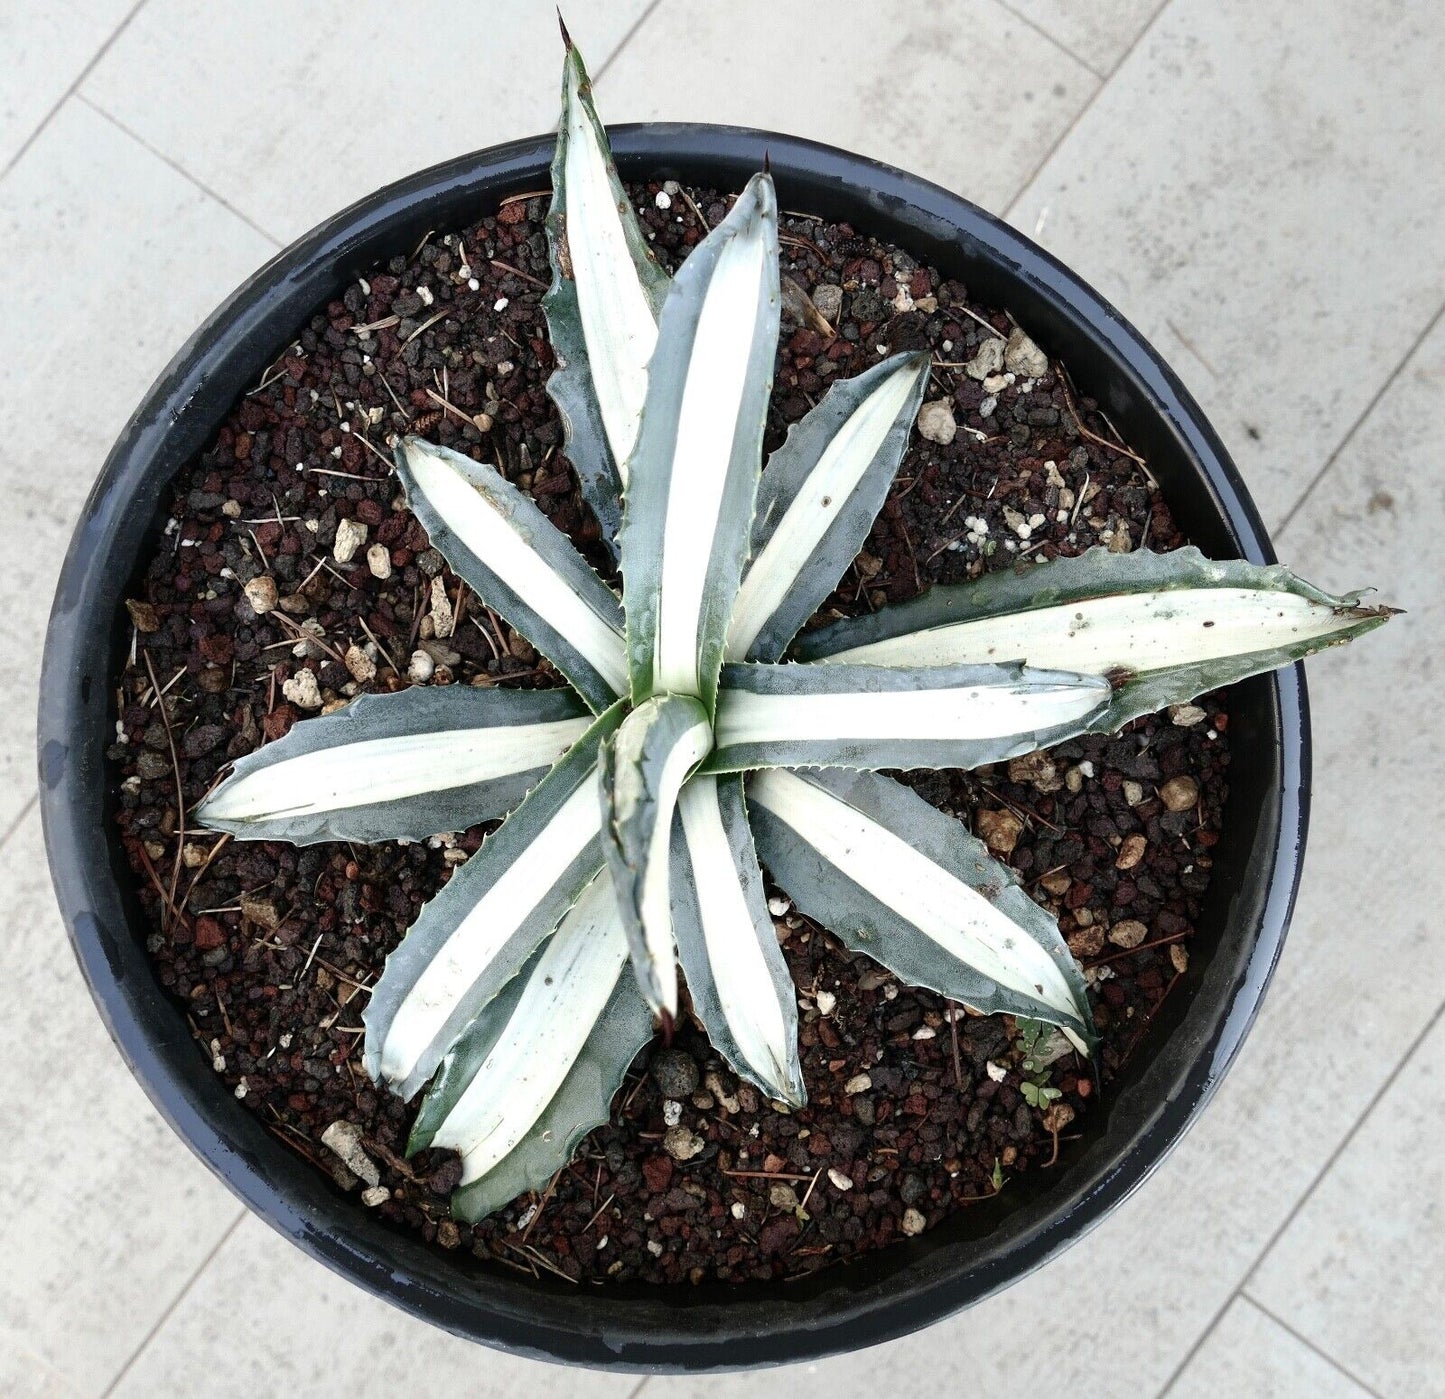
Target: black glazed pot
{"points": [[1189, 1045]]}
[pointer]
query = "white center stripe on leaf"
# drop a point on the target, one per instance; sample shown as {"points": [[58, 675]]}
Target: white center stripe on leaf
{"points": [[380, 770], [1139, 632], [744, 983], [813, 511], [553, 1019], [484, 931], [972, 712], [706, 427], [617, 321], [691, 749], [940, 905], [487, 532]]}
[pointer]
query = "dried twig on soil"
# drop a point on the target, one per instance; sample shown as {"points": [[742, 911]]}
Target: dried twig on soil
{"points": [[314, 947], [385, 323], [1024, 813], [343, 976], [345, 476], [599, 1213], [293, 1139], [160, 888], [180, 795], [533, 1255], [798, 241], [908, 540], [1094, 436], [371, 635], [278, 365], [400, 406], [803, 1204], [302, 634], [542, 1204], [1149, 1019], [517, 272], [973, 316], [467, 418], [153, 696], [204, 866], [766, 1175], [947, 544], [375, 451], [698, 215], [427, 324], [1134, 951]]}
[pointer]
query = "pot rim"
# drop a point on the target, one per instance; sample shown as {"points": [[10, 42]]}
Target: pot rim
{"points": [[900, 1289]]}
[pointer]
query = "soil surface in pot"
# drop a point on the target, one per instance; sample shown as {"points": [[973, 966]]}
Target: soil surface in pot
{"points": [[914, 1112]]}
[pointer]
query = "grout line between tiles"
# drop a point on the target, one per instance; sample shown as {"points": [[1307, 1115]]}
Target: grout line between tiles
{"points": [[71, 90], [200, 184], [175, 1302], [1359, 421], [18, 820], [1053, 42], [1304, 1198], [1048, 155], [597, 78], [179, 169], [1309, 1345]]}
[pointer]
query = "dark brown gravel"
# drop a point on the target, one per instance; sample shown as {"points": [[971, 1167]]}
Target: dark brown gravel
{"points": [[270, 948]]}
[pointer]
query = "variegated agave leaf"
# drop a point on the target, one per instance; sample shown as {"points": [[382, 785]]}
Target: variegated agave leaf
{"points": [[1163, 627], [474, 936], [818, 498], [642, 769], [607, 291], [398, 767], [898, 879], [520, 563], [740, 984], [694, 474], [873, 716], [539, 1066]]}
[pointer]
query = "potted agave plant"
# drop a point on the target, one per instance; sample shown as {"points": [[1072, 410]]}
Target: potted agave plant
{"points": [[713, 734]]}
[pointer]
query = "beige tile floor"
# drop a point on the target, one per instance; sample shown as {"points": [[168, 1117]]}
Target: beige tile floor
{"points": [[1257, 186]]}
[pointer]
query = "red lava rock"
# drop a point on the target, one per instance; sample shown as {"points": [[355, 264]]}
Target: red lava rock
{"points": [[203, 739], [218, 648], [209, 933], [277, 724], [657, 1172], [777, 1234]]}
